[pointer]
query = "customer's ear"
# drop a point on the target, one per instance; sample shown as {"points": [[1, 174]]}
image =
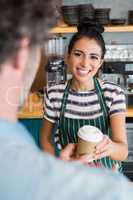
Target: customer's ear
{"points": [[20, 58]]}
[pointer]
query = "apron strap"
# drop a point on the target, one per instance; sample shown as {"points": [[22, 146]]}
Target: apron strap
{"points": [[101, 97], [64, 100]]}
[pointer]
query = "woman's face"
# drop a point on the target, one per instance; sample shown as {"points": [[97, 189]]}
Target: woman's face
{"points": [[84, 59]]}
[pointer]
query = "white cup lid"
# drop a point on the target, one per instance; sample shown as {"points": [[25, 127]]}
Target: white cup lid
{"points": [[90, 133]]}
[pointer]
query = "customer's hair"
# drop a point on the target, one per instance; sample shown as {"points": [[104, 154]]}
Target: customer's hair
{"points": [[25, 18], [91, 30]]}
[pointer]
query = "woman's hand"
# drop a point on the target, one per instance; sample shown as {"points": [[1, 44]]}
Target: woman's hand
{"points": [[69, 154], [104, 148]]}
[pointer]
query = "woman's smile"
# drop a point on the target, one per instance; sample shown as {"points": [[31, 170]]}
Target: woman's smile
{"points": [[82, 72]]}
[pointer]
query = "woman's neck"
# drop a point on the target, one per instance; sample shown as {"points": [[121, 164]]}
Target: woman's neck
{"points": [[82, 86]]}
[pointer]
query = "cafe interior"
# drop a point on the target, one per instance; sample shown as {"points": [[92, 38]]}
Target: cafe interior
{"points": [[118, 65]]}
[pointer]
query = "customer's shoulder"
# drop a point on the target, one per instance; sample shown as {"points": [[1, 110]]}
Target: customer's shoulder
{"points": [[14, 131]]}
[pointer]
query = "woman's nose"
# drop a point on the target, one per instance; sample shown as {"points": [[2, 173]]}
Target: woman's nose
{"points": [[86, 62]]}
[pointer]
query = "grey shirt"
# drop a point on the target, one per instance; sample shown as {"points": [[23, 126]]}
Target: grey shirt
{"points": [[26, 173]]}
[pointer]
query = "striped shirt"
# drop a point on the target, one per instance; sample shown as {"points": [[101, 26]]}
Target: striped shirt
{"points": [[85, 104]]}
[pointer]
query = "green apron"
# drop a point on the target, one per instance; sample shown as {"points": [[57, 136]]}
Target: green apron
{"points": [[68, 127]]}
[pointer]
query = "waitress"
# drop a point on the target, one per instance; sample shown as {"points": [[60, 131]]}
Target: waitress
{"points": [[87, 100]]}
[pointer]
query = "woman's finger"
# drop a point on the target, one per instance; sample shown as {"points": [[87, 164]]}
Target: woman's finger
{"points": [[101, 155], [105, 150], [85, 158], [102, 144]]}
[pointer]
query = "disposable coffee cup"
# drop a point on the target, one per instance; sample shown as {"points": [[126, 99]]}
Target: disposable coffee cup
{"points": [[88, 138]]}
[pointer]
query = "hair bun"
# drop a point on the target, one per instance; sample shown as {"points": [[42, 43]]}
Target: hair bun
{"points": [[87, 24]]}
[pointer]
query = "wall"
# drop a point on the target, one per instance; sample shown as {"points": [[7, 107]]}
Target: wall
{"points": [[119, 8]]}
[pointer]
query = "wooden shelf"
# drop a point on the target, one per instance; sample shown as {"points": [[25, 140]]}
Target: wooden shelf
{"points": [[73, 29], [123, 28]]}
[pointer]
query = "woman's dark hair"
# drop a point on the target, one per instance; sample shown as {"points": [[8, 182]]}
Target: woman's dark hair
{"points": [[91, 30]]}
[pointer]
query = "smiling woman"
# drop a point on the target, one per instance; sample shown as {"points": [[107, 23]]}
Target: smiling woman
{"points": [[86, 100], [83, 62]]}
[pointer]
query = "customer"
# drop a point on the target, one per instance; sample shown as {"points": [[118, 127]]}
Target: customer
{"points": [[87, 100], [26, 173]]}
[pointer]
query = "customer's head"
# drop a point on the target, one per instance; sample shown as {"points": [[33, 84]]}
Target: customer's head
{"points": [[25, 19], [24, 26]]}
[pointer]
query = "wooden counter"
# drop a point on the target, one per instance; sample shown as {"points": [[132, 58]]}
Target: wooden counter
{"points": [[130, 111], [33, 107]]}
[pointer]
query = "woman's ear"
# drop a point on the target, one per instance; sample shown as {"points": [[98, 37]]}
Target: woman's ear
{"points": [[66, 58], [66, 61], [101, 62]]}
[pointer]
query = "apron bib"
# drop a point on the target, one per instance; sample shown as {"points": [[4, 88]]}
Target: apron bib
{"points": [[68, 128]]}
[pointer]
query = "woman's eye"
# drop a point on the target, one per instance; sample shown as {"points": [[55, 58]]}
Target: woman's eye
{"points": [[94, 57], [77, 54]]}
